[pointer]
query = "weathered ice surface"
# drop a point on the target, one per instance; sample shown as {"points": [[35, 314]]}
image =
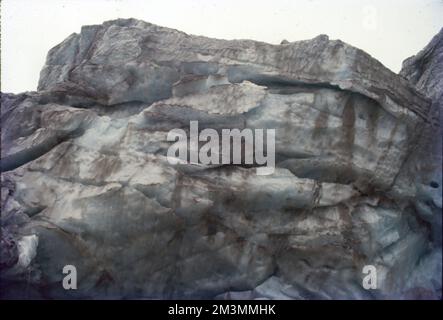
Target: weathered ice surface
{"points": [[86, 182]]}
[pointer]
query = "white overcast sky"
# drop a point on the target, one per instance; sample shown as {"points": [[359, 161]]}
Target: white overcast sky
{"points": [[389, 30]]}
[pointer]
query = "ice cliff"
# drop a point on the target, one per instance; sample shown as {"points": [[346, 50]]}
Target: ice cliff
{"points": [[85, 180]]}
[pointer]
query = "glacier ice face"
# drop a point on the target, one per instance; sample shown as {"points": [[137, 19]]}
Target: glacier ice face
{"points": [[84, 169]]}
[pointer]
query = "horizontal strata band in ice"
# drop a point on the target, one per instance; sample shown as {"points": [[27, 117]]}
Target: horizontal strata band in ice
{"points": [[247, 147]]}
